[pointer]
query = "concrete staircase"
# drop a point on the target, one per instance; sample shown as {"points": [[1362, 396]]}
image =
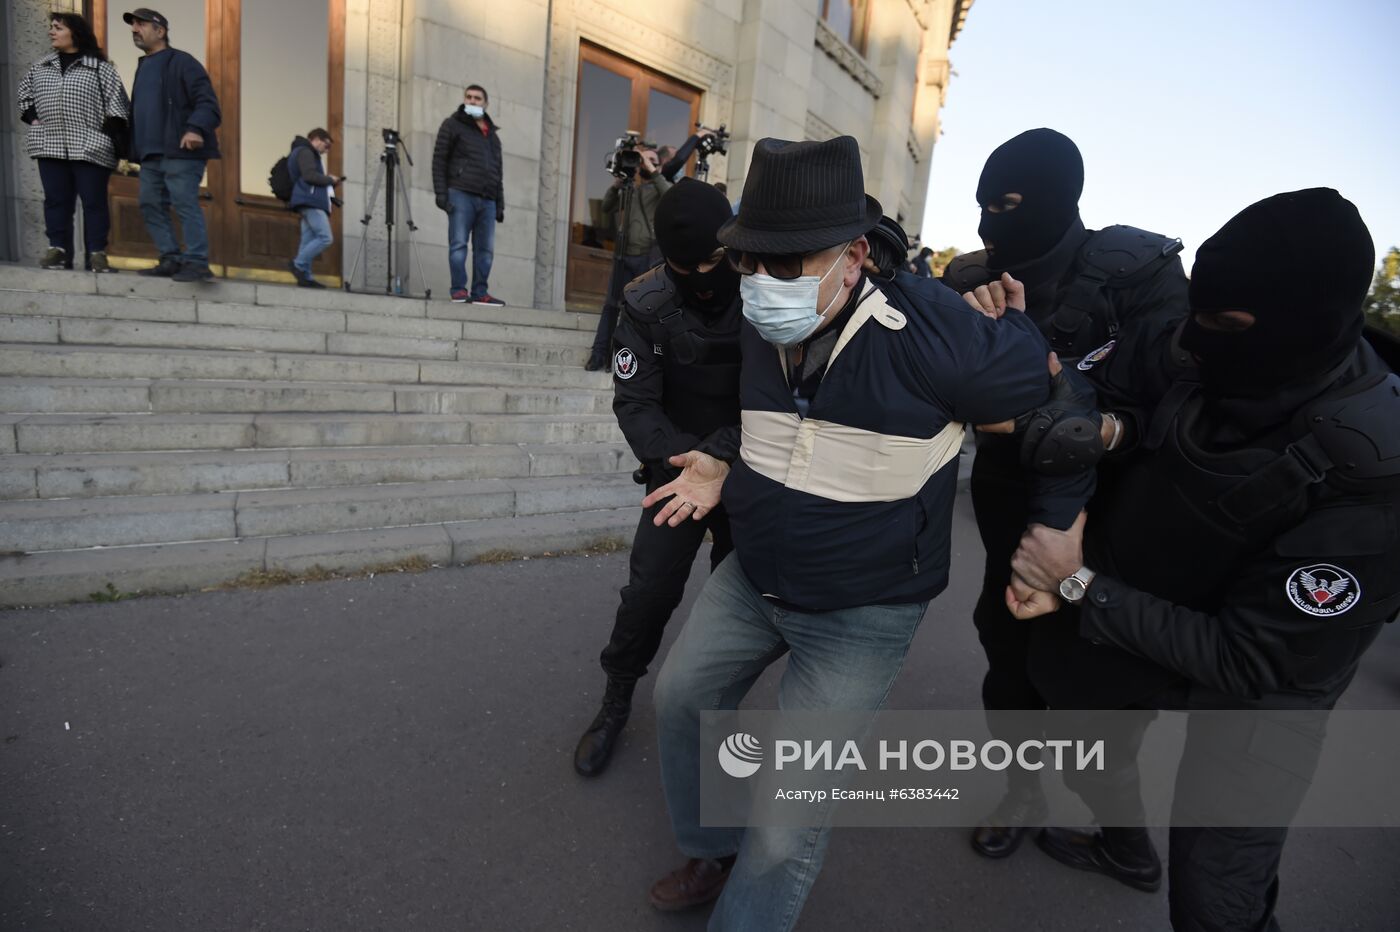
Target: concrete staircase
{"points": [[163, 437]]}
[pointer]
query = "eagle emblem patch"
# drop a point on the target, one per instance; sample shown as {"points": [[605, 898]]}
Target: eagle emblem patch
{"points": [[624, 364], [1322, 589]]}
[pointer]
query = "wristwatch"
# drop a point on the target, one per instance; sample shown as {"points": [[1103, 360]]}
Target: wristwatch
{"points": [[1073, 588]]}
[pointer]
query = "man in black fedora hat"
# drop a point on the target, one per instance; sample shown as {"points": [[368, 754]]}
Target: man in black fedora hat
{"points": [[840, 502]]}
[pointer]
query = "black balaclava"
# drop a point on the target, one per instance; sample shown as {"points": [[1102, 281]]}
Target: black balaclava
{"points": [[687, 219], [1046, 169], [1301, 263]]}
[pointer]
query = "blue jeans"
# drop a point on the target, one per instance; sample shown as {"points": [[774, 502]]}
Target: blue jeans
{"points": [[474, 217], [841, 660], [175, 182], [316, 238]]}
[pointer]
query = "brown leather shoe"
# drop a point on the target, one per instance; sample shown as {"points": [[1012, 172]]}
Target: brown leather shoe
{"points": [[697, 883]]}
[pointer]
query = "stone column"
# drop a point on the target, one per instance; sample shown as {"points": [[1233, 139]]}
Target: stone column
{"points": [[773, 69], [24, 40]]}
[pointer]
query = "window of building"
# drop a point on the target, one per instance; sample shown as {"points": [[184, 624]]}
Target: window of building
{"points": [[849, 19]]}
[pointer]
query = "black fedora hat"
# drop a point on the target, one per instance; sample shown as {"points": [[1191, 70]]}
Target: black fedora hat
{"points": [[801, 197]]}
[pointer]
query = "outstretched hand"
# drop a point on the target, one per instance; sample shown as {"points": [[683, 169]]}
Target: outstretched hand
{"points": [[694, 493]]}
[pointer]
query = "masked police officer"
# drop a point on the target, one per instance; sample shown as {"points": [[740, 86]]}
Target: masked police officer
{"points": [[676, 385], [1082, 288], [1245, 554]]}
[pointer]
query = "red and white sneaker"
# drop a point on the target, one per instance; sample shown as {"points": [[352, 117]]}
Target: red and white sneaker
{"points": [[489, 301], [459, 296]]}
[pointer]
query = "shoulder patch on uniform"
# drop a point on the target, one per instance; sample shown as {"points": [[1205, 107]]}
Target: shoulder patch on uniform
{"points": [[624, 364], [1097, 356], [1322, 589]]}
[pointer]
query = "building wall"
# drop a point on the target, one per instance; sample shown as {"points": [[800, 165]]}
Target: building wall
{"points": [[765, 67]]}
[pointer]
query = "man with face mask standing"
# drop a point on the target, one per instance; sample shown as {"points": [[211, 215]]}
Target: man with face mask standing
{"points": [[1082, 288], [638, 232], [854, 392], [467, 180], [676, 383], [1276, 468]]}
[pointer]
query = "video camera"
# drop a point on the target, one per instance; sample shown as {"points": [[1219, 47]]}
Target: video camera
{"points": [[391, 137], [626, 156], [712, 145]]}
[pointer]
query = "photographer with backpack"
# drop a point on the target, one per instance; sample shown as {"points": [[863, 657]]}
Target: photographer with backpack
{"points": [[301, 180]]}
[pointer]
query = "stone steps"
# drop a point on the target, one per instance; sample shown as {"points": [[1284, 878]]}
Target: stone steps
{"points": [[36, 290], [92, 475], [158, 436], [234, 396], [81, 331], [121, 433], [66, 524], [73, 575], [280, 358]]}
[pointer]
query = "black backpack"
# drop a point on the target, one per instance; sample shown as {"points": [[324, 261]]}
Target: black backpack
{"points": [[281, 180]]}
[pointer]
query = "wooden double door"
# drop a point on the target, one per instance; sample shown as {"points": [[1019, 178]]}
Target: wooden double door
{"points": [[615, 96], [278, 69]]}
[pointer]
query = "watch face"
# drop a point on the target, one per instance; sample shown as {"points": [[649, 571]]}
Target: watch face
{"points": [[1072, 589]]}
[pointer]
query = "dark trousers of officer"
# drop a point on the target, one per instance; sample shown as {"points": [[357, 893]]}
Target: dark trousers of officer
{"points": [[660, 565], [1007, 686], [623, 271], [1257, 768]]}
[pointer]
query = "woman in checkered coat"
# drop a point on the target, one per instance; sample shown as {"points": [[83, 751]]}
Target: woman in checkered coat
{"points": [[76, 108]]}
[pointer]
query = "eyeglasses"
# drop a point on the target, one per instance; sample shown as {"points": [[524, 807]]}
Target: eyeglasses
{"points": [[779, 265]]}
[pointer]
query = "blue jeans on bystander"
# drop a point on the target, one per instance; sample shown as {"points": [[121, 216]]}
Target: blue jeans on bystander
{"points": [[175, 182], [316, 238], [471, 217]]}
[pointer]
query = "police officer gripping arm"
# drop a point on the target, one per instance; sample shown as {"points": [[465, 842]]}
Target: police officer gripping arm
{"points": [[676, 389], [1247, 553], [1085, 290]]}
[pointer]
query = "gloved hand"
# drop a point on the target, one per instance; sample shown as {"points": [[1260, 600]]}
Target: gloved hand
{"points": [[500, 215], [1062, 436], [443, 203]]}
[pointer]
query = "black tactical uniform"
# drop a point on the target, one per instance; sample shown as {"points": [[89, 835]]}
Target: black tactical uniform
{"points": [[1084, 289], [676, 385], [1246, 548], [675, 362]]}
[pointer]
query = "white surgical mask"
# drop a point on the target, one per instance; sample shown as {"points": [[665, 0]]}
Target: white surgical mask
{"points": [[473, 111], [784, 312]]}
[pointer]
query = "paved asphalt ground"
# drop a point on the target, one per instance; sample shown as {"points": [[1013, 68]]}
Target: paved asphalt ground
{"points": [[394, 754]]}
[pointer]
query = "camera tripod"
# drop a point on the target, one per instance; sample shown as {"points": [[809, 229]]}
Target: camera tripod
{"points": [[389, 163]]}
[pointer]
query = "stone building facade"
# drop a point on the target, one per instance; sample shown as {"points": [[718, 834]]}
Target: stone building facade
{"points": [[555, 71]]}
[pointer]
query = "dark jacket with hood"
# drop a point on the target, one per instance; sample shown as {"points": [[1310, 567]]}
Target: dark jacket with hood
{"points": [[467, 159], [311, 186], [190, 104]]}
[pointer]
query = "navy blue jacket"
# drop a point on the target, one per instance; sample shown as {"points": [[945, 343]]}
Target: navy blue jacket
{"points": [[305, 191], [190, 104], [852, 505]]}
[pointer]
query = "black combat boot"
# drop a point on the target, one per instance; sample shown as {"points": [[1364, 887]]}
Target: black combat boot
{"points": [[1022, 809], [596, 746], [1125, 854]]}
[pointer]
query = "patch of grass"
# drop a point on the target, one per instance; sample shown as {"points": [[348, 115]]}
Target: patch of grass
{"points": [[268, 579], [109, 594]]}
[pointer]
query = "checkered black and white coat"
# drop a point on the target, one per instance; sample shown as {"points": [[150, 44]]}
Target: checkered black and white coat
{"points": [[72, 107]]}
